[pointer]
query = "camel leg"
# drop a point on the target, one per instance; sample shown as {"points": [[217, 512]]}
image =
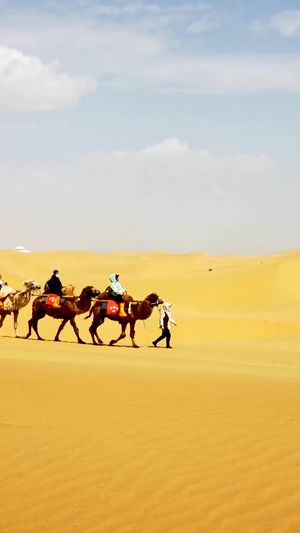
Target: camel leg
{"points": [[122, 336], [76, 331], [93, 330], [61, 327], [132, 334], [3, 315], [30, 322], [16, 314], [33, 323]]}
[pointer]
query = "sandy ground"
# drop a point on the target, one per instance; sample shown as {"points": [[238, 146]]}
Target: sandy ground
{"points": [[201, 438]]}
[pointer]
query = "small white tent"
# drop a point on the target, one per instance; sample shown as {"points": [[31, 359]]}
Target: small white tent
{"points": [[22, 249]]}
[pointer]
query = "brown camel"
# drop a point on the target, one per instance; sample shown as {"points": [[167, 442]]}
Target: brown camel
{"points": [[15, 300], [71, 307], [139, 311]]}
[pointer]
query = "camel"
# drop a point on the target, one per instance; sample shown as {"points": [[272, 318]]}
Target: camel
{"points": [[15, 300], [69, 309], [139, 311]]}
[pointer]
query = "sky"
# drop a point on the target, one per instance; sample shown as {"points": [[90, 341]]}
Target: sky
{"points": [[150, 125]]}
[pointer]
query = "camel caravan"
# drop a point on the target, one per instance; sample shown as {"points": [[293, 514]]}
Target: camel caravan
{"points": [[60, 302]]}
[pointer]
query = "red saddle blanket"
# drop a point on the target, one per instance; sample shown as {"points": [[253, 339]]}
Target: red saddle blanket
{"points": [[113, 308], [53, 299]]}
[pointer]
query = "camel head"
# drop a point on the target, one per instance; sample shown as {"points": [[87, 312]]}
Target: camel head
{"points": [[91, 292], [154, 300], [30, 285]]}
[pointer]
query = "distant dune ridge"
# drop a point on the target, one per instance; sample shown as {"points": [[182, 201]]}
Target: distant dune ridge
{"points": [[203, 437]]}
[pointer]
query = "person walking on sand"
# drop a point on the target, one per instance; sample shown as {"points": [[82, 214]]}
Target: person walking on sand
{"points": [[165, 321]]}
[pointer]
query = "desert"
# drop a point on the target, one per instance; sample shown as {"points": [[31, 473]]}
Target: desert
{"points": [[203, 437]]}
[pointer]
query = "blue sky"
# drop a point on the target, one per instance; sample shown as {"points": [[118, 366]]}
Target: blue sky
{"points": [[150, 125]]}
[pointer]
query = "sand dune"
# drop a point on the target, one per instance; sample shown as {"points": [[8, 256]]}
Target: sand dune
{"points": [[203, 437]]}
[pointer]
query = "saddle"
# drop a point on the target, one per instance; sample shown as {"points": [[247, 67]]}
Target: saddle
{"points": [[53, 299], [116, 309]]}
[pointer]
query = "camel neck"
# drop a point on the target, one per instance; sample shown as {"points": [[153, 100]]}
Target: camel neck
{"points": [[83, 304], [144, 309]]}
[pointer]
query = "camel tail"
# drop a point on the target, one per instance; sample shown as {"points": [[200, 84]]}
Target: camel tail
{"points": [[90, 314]]}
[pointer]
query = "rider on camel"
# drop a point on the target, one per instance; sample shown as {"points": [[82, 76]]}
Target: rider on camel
{"points": [[54, 285], [117, 292]]}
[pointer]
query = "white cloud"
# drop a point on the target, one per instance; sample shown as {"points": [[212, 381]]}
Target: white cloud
{"points": [[170, 163], [203, 24], [192, 18], [26, 84], [167, 147], [286, 23], [131, 8], [83, 45], [122, 55], [224, 74], [181, 12], [166, 196]]}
